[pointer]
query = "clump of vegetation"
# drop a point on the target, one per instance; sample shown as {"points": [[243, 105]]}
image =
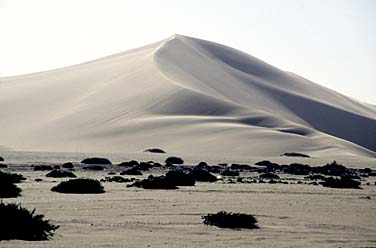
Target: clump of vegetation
{"points": [[3, 165], [79, 186], [174, 160], [344, 182], [132, 171], [231, 220], [155, 150], [1, 159], [180, 178], [270, 176], [11, 177], [153, 182], [68, 165], [203, 175], [20, 223], [60, 173], [230, 173], [295, 154], [117, 179], [9, 190], [96, 161]]}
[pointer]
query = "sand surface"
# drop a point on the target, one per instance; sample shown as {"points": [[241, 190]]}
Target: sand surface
{"points": [[187, 96]]}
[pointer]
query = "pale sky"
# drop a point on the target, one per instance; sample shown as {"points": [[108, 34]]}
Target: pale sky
{"points": [[331, 42]]}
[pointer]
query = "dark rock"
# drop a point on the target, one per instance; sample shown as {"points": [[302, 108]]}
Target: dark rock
{"points": [[174, 160], [79, 186], [203, 175], [42, 167], [154, 183], [231, 173], [60, 174], [231, 220], [180, 178], [155, 150], [3, 165], [68, 165], [131, 171], [22, 224], [96, 161], [269, 176], [93, 167], [343, 182], [295, 154]]}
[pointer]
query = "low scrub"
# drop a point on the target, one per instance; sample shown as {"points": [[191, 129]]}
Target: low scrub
{"points": [[19, 223], [230, 220], [11, 177], [79, 186], [9, 190]]}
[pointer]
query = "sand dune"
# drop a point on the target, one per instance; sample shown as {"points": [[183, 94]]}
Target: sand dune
{"points": [[186, 95]]}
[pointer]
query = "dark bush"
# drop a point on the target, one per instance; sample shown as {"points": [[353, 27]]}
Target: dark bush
{"points": [[315, 177], [143, 166], [93, 167], [131, 163], [180, 178], [79, 186], [231, 220], [230, 173], [269, 176], [42, 167], [174, 160], [343, 182], [60, 173], [1, 159], [11, 177], [117, 179], [68, 165], [96, 161], [155, 150], [269, 165], [298, 169], [295, 154], [332, 169], [154, 183], [20, 223], [242, 167], [3, 165], [203, 175], [132, 171], [8, 190]]}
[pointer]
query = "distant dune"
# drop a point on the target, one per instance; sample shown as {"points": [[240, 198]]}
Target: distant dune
{"points": [[188, 96]]}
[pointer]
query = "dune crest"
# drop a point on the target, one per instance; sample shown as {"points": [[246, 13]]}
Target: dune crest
{"points": [[187, 95]]}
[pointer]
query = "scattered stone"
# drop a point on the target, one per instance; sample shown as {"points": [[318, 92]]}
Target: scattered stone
{"points": [[343, 182], [155, 150], [79, 186], [174, 160], [231, 220], [22, 224], [269, 176], [42, 167], [96, 161], [68, 165], [60, 174], [295, 154]]}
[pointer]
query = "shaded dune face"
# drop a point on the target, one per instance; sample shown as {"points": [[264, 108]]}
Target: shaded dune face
{"points": [[186, 95]]}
